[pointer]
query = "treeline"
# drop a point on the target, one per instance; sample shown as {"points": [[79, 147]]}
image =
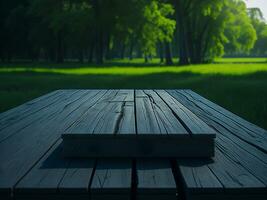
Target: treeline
{"points": [[196, 31]]}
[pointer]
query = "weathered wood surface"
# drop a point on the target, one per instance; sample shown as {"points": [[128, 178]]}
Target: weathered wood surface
{"points": [[54, 174], [112, 179], [32, 166], [195, 126], [154, 116], [239, 165], [24, 146], [142, 123], [108, 116], [155, 180], [237, 126]]}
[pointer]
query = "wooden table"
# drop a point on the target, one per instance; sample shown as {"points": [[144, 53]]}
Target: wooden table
{"points": [[137, 124], [32, 165]]}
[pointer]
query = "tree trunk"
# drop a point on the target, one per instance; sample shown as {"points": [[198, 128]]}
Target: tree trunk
{"points": [[168, 54], [99, 48], [146, 59], [98, 34], [131, 49], [81, 55], [107, 47], [122, 50], [139, 52], [183, 48], [161, 52], [60, 56], [91, 52]]}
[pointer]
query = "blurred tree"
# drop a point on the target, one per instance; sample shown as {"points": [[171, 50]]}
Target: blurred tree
{"points": [[260, 47], [105, 29], [50, 15], [157, 27], [14, 24], [205, 27], [240, 33]]}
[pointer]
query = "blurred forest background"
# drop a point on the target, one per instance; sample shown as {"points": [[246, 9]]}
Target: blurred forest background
{"points": [[217, 48], [195, 31]]}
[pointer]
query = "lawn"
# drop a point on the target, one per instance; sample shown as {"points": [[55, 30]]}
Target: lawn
{"points": [[238, 86]]}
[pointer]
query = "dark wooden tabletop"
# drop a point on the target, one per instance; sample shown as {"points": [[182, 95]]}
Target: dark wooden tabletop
{"points": [[32, 165], [136, 124]]}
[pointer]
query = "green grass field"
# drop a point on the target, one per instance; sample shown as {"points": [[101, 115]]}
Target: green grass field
{"points": [[239, 85]]}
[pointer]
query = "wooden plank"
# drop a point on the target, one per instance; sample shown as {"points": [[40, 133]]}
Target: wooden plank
{"points": [[238, 155], [46, 175], [125, 146], [127, 121], [251, 157], [246, 124], [16, 153], [14, 149], [109, 126], [222, 175], [107, 118], [112, 115], [77, 176], [167, 121], [235, 125], [124, 95], [55, 176], [155, 180], [145, 116], [234, 176], [19, 110], [222, 128], [24, 121], [197, 177], [238, 166], [192, 123], [240, 152], [112, 179]]}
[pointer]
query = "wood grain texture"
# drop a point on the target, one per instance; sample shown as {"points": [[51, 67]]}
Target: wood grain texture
{"points": [[155, 176], [113, 114], [25, 110], [108, 129], [112, 179], [238, 166], [237, 126], [145, 116], [195, 125], [217, 176], [112, 176], [165, 118], [32, 166], [46, 175], [53, 174], [77, 176], [26, 146], [197, 176], [27, 120]]}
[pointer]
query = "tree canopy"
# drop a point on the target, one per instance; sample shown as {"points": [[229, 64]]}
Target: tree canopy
{"points": [[196, 31]]}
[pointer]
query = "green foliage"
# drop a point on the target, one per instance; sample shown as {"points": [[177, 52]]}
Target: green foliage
{"points": [[213, 27], [240, 33], [260, 48], [157, 26], [103, 29]]}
